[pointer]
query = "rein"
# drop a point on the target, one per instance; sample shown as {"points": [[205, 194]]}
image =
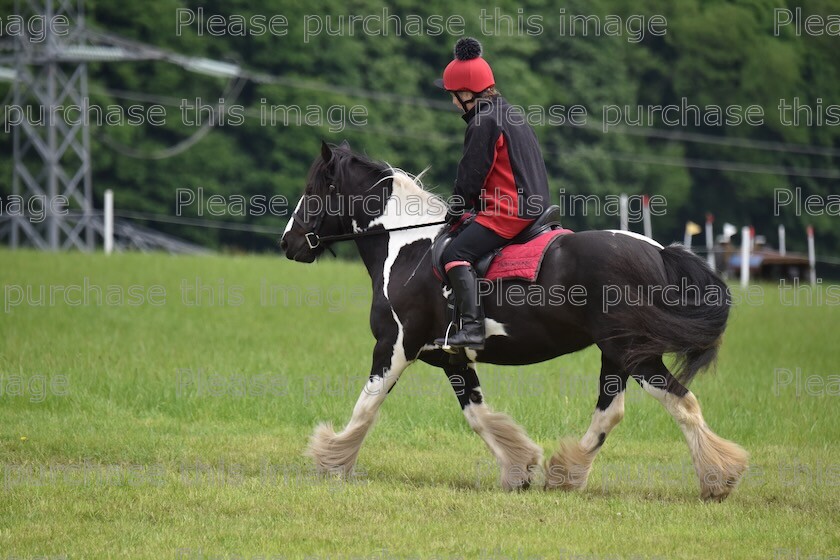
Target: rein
{"points": [[314, 240], [348, 236]]}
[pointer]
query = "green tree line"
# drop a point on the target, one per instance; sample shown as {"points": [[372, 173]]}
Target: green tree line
{"points": [[712, 52]]}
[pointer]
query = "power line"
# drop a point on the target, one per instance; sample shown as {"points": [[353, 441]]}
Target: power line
{"points": [[434, 104], [179, 220], [720, 165], [182, 220], [129, 49], [233, 89], [144, 51], [642, 159], [733, 142], [678, 135]]}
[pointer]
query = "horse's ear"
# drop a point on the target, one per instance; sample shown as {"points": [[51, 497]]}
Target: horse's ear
{"points": [[345, 144], [326, 152]]}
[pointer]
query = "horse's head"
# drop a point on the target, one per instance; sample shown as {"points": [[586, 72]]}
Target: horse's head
{"points": [[344, 192]]}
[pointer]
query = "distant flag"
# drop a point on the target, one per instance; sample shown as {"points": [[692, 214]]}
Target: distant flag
{"points": [[690, 229]]}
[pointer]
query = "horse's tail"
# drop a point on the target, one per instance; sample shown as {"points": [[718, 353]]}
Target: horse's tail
{"points": [[686, 317]]}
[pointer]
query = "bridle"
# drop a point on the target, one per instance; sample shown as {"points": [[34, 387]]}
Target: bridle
{"points": [[314, 239]]}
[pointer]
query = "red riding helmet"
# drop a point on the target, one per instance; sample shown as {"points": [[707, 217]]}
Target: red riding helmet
{"points": [[468, 71]]}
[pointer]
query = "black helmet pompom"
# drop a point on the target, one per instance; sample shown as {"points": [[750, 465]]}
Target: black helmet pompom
{"points": [[467, 48]]}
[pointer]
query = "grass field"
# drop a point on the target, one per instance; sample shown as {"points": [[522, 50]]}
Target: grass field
{"points": [[175, 429]]}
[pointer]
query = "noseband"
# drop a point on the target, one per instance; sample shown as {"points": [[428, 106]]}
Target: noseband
{"points": [[311, 236]]}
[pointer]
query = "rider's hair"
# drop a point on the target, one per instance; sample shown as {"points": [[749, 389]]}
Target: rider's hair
{"points": [[489, 92]]}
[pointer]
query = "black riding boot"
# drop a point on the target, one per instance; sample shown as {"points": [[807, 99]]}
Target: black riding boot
{"points": [[464, 284]]}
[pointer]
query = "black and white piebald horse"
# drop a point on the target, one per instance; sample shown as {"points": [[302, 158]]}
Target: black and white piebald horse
{"points": [[671, 303]]}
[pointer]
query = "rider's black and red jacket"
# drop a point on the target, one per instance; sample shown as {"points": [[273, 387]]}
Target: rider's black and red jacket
{"points": [[502, 173]]}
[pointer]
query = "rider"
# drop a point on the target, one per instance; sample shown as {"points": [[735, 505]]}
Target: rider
{"points": [[501, 176]]}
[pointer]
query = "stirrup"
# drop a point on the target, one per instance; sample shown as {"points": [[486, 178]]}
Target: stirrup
{"points": [[445, 346]]}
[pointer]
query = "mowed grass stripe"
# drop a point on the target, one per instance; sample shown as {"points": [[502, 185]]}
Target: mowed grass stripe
{"points": [[170, 468]]}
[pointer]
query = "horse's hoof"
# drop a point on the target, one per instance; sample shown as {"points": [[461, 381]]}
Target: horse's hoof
{"points": [[568, 469], [520, 478]]}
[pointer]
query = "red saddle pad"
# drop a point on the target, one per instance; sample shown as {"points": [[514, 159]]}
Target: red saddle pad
{"points": [[523, 261]]}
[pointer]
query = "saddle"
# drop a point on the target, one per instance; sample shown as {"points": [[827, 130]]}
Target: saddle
{"points": [[547, 222]]}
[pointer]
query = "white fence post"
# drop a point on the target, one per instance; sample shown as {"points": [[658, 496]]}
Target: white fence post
{"points": [[109, 222], [745, 256], [782, 249], [710, 241], [622, 205], [646, 216]]}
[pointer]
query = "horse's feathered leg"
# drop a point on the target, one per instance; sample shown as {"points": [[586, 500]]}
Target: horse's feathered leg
{"points": [[337, 452], [570, 465], [517, 455], [719, 463]]}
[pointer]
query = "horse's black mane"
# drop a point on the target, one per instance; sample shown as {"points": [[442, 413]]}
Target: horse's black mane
{"points": [[344, 161]]}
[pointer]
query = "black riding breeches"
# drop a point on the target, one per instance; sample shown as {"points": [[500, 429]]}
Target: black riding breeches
{"points": [[472, 243]]}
